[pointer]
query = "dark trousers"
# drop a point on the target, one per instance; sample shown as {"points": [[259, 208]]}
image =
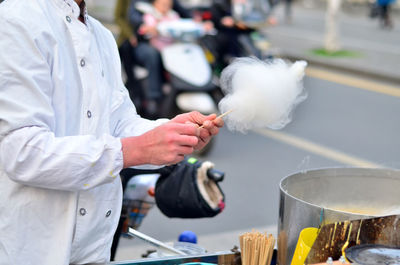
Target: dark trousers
{"points": [[149, 57], [128, 61], [126, 175], [234, 43]]}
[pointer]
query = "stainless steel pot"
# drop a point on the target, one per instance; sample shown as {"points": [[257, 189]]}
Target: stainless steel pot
{"points": [[312, 198]]}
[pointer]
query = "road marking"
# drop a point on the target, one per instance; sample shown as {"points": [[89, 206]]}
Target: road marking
{"points": [[317, 149], [353, 81]]}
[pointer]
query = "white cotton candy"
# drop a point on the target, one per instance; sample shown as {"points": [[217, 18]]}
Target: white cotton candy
{"points": [[261, 93]]}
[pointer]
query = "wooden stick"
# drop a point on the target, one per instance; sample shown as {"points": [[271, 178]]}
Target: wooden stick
{"points": [[271, 241], [220, 116], [256, 248]]}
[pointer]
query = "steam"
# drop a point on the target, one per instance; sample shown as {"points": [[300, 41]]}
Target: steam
{"points": [[261, 93]]}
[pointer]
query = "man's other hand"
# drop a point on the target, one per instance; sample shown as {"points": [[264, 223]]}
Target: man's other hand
{"points": [[208, 126], [164, 145]]}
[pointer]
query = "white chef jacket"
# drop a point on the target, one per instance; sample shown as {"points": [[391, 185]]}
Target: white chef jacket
{"points": [[63, 109]]}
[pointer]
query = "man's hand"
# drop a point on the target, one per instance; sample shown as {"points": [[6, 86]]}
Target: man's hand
{"points": [[148, 30], [164, 145], [133, 41], [241, 26], [228, 22], [210, 125], [208, 26]]}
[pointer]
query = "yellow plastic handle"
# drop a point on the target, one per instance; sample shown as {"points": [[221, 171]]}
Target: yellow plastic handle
{"points": [[304, 244]]}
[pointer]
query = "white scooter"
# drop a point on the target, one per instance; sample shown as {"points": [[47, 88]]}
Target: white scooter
{"points": [[189, 73]]}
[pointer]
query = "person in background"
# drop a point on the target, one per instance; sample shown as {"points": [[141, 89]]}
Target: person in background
{"points": [[288, 11], [127, 42], [232, 35], [67, 128], [385, 19], [149, 57], [161, 12]]}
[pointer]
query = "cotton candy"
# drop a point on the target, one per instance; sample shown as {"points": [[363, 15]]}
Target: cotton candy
{"points": [[261, 94]]}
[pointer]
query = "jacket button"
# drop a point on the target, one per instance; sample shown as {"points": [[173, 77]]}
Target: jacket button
{"points": [[89, 114], [82, 211], [108, 213], [83, 62], [68, 18]]}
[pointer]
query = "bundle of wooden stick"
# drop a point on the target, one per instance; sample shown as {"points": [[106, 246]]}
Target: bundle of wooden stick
{"points": [[256, 248]]}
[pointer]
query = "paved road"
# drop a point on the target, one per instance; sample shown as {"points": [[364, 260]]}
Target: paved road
{"points": [[338, 125]]}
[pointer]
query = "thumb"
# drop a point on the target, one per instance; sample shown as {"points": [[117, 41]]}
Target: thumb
{"points": [[211, 117], [197, 117]]}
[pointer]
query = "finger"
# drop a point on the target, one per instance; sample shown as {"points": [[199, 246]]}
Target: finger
{"points": [[186, 129], [209, 121], [204, 133], [186, 140], [185, 150], [214, 130], [211, 117], [196, 126], [203, 141], [219, 122], [207, 124], [210, 127], [177, 159], [199, 118]]}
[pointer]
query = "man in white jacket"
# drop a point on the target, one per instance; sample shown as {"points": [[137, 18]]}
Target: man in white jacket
{"points": [[67, 127]]}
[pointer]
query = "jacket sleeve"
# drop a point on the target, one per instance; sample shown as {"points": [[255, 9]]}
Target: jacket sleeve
{"points": [[121, 18], [135, 17], [30, 153], [125, 121]]}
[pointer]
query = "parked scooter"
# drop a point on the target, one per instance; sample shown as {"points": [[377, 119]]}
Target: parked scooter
{"points": [[189, 73]]}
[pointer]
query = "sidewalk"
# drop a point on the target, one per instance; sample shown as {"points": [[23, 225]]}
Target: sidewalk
{"points": [[378, 50]]}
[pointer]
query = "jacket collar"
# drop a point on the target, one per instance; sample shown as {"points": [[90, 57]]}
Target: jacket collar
{"points": [[71, 7]]}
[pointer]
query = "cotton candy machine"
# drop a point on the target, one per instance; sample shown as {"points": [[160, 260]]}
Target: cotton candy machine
{"points": [[312, 198]]}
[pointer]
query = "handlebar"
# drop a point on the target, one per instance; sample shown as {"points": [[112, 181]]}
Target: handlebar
{"points": [[215, 175]]}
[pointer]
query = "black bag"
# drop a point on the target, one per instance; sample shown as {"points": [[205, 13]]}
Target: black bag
{"points": [[190, 189]]}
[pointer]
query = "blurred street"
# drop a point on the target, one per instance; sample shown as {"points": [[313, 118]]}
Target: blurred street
{"points": [[349, 119], [378, 49]]}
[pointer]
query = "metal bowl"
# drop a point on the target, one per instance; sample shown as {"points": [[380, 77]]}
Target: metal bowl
{"points": [[373, 255], [315, 197]]}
